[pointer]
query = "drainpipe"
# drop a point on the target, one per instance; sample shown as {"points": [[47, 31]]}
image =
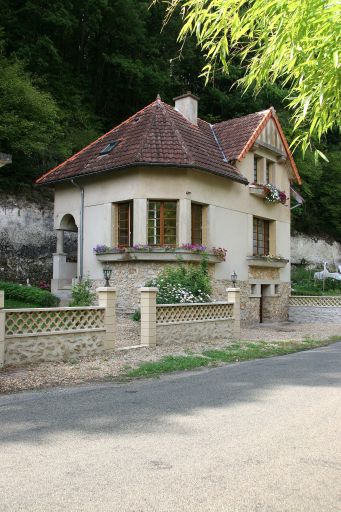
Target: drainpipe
{"points": [[81, 228]]}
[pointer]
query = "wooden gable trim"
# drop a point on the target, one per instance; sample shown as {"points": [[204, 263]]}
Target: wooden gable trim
{"points": [[270, 115]]}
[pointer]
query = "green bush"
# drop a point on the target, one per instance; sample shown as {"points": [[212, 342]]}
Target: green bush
{"points": [[82, 294], [183, 284], [303, 283], [136, 316], [29, 294]]}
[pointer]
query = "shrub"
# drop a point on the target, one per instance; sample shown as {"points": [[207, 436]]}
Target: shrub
{"points": [[303, 282], [82, 294], [29, 294], [183, 284], [136, 316]]}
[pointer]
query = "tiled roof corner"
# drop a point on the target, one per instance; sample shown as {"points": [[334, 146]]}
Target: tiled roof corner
{"points": [[158, 135]]}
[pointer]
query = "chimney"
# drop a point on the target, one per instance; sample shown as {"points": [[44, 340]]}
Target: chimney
{"points": [[187, 105]]}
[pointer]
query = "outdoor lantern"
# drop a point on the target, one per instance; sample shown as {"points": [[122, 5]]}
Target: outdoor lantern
{"points": [[107, 271], [234, 279]]}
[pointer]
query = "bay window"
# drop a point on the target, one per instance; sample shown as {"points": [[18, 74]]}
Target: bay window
{"points": [[162, 223]]}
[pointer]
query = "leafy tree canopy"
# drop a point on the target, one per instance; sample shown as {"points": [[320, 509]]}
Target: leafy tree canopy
{"points": [[292, 41], [73, 69]]}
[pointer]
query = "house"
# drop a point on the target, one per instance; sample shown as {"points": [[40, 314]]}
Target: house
{"points": [[165, 178]]}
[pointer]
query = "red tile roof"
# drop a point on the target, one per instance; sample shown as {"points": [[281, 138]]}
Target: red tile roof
{"points": [[238, 135], [159, 135]]}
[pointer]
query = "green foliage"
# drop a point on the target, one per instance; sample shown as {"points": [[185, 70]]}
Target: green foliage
{"points": [[303, 283], [183, 284], [72, 70], [29, 294], [288, 41], [136, 316], [235, 352], [18, 304], [82, 294]]}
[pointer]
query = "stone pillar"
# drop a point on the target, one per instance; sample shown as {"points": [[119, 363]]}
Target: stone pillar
{"points": [[148, 316], [184, 222], [107, 299], [140, 221], [2, 329], [233, 297], [60, 241]]}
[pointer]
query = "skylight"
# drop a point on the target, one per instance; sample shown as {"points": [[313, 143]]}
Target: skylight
{"points": [[109, 147]]}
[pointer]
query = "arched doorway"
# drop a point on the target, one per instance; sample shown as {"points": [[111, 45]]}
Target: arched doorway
{"points": [[65, 266]]}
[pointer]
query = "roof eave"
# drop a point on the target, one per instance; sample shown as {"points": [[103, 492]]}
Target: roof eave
{"points": [[238, 178]]}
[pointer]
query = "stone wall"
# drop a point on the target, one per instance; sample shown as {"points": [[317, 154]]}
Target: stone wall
{"points": [[314, 250], [194, 331], [27, 239], [276, 308], [129, 277], [52, 347]]}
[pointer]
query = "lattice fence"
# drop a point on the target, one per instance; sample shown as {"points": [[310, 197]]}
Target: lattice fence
{"points": [[53, 320], [181, 313], [316, 301]]}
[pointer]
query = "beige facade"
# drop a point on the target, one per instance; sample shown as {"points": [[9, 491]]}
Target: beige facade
{"points": [[228, 216]]}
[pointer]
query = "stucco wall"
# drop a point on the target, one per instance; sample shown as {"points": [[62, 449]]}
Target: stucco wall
{"points": [[229, 216]]}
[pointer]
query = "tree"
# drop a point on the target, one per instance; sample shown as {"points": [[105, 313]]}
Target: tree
{"points": [[294, 42]]}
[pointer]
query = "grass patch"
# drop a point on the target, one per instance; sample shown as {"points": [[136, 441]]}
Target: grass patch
{"points": [[242, 351], [19, 304], [168, 364]]}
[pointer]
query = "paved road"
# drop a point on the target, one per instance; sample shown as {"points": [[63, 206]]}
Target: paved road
{"points": [[256, 436]]}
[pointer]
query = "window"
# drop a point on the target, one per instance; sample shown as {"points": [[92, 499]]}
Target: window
{"points": [[268, 171], [109, 147], [125, 224], [255, 169], [162, 222], [196, 224], [260, 237]]}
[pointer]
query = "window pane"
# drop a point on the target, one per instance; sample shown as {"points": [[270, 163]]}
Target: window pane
{"points": [[125, 224], [196, 224], [260, 237], [162, 222]]}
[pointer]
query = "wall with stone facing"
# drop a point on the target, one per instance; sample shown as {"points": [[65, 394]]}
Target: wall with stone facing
{"points": [[194, 331], [314, 250], [276, 308], [27, 239], [53, 347], [129, 277]]}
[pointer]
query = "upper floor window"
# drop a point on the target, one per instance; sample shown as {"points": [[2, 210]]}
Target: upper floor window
{"points": [[268, 176], [162, 222], [255, 169], [196, 225], [261, 240], [125, 224]]}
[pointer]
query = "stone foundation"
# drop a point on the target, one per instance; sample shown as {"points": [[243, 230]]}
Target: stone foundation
{"points": [[129, 277], [53, 347], [194, 331]]}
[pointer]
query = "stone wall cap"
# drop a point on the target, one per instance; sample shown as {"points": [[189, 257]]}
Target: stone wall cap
{"points": [[148, 289], [233, 289], [106, 289]]}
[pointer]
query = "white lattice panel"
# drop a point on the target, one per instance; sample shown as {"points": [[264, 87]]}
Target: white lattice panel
{"points": [[312, 301], [53, 320], [178, 313]]}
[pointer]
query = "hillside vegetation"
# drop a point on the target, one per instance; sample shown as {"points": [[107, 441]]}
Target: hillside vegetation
{"points": [[72, 70]]}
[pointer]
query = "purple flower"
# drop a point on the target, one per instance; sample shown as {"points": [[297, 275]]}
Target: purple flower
{"points": [[100, 249]]}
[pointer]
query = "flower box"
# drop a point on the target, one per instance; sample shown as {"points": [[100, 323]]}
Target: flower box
{"points": [[267, 261], [159, 254]]}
